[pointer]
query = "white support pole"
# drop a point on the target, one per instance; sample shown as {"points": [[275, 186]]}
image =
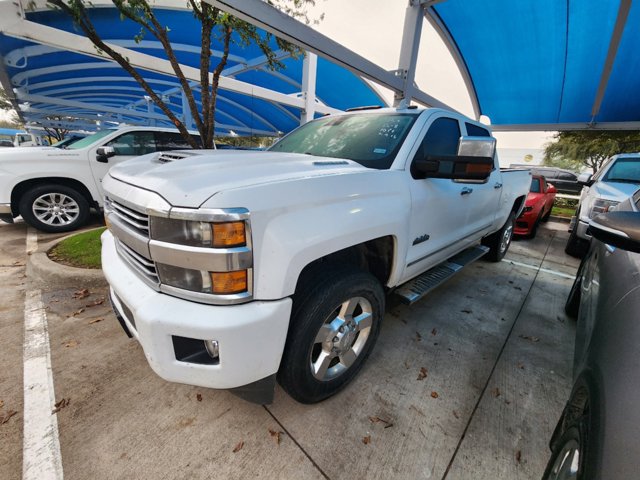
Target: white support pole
{"points": [[309, 73], [150, 110], [187, 118], [409, 52]]}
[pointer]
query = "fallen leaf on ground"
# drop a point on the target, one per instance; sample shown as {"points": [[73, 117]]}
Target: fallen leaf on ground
{"points": [[496, 392], [366, 440], [71, 343], [18, 264], [521, 366], [466, 311], [402, 320], [60, 405], [530, 338], [238, 447], [518, 456], [418, 337], [95, 320], [1, 403], [434, 332], [406, 365], [423, 374], [84, 293], [418, 410], [5, 418], [276, 435], [387, 423], [518, 288], [434, 395], [77, 312], [95, 303], [199, 397], [456, 414]]}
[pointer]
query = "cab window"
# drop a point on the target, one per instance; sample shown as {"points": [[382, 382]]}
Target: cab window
{"points": [[134, 143]]}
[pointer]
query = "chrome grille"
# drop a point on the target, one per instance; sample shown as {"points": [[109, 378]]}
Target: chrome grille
{"points": [[142, 265], [136, 220]]}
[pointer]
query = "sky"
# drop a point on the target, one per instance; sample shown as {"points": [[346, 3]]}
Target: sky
{"points": [[373, 29]]}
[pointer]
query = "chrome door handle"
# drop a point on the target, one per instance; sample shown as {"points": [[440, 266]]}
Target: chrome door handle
{"points": [[466, 191], [497, 185]]}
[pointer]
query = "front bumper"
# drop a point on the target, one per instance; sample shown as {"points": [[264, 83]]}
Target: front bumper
{"points": [[250, 336], [581, 231], [524, 223]]}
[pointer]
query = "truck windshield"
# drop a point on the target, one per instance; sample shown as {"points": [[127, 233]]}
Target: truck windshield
{"points": [[372, 140], [90, 140], [625, 170]]}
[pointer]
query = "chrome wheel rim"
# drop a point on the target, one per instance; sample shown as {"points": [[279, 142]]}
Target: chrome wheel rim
{"points": [[506, 238], [55, 209], [341, 339], [567, 462]]}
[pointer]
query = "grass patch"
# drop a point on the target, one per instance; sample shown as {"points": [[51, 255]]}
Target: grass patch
{"points": [[81, 250], [563, 212]]}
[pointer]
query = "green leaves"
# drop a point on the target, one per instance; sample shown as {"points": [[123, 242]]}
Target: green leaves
{"points": [[576, 149]]}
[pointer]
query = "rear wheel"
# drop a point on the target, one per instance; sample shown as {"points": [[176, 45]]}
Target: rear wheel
{"points": [[54, 208], [499, 242], [334, 325]]}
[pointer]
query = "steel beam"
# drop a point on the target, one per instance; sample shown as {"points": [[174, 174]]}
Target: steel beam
{"points": [[616, 36], [552, 127], [271, 19], [409, 48]]}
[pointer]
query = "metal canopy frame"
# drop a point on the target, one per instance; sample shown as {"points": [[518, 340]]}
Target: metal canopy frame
{"points": [[31, 92]]}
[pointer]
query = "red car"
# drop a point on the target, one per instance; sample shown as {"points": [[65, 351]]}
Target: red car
{"points": [[537, 208]]}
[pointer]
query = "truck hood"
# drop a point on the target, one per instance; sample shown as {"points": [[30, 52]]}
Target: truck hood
{"points": [[618, 191], [193, 178], [15, 155]]}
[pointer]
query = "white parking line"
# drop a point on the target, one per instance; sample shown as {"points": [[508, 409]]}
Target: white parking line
{"points": [[545, 270], [41, 446]]}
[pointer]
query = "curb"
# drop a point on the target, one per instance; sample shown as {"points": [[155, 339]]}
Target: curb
{"points": [[42, 268], [560, 219]]}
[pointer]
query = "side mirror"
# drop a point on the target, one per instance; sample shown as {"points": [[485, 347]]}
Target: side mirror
{"points": [[455, 167], [618, 229], [474, 161], [103, 154], [585, 179], [551, 188]]}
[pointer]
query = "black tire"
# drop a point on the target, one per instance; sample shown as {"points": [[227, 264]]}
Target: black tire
{"points": [[572, 305], [571, 446], [576, 246], [54, 208], [312, 370], [500, 241], [534, 228]]}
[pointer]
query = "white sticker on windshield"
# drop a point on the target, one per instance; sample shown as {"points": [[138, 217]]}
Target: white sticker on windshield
{"points": [[380, 150]]}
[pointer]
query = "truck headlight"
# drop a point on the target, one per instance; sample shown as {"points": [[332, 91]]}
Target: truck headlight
{"points": [[601, 206], [199, 234], [218, 283]]}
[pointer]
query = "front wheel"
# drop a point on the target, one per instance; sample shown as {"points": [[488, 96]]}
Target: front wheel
{"points": [[499, 242], [334, 325], [54, 208]]}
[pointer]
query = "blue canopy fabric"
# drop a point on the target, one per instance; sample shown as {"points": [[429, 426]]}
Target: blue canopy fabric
{"points": [[74, 77], [541, 62]]}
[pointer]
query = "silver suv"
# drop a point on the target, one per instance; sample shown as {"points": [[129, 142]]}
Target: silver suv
{"points": [[618, 178]]}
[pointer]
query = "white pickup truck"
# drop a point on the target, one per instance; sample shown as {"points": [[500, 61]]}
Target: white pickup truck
{"points": [[55, 188], [232, 268]]}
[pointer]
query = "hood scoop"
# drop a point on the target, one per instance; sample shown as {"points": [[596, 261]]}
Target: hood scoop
{"points": [[168, 157], [330, 162]]}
